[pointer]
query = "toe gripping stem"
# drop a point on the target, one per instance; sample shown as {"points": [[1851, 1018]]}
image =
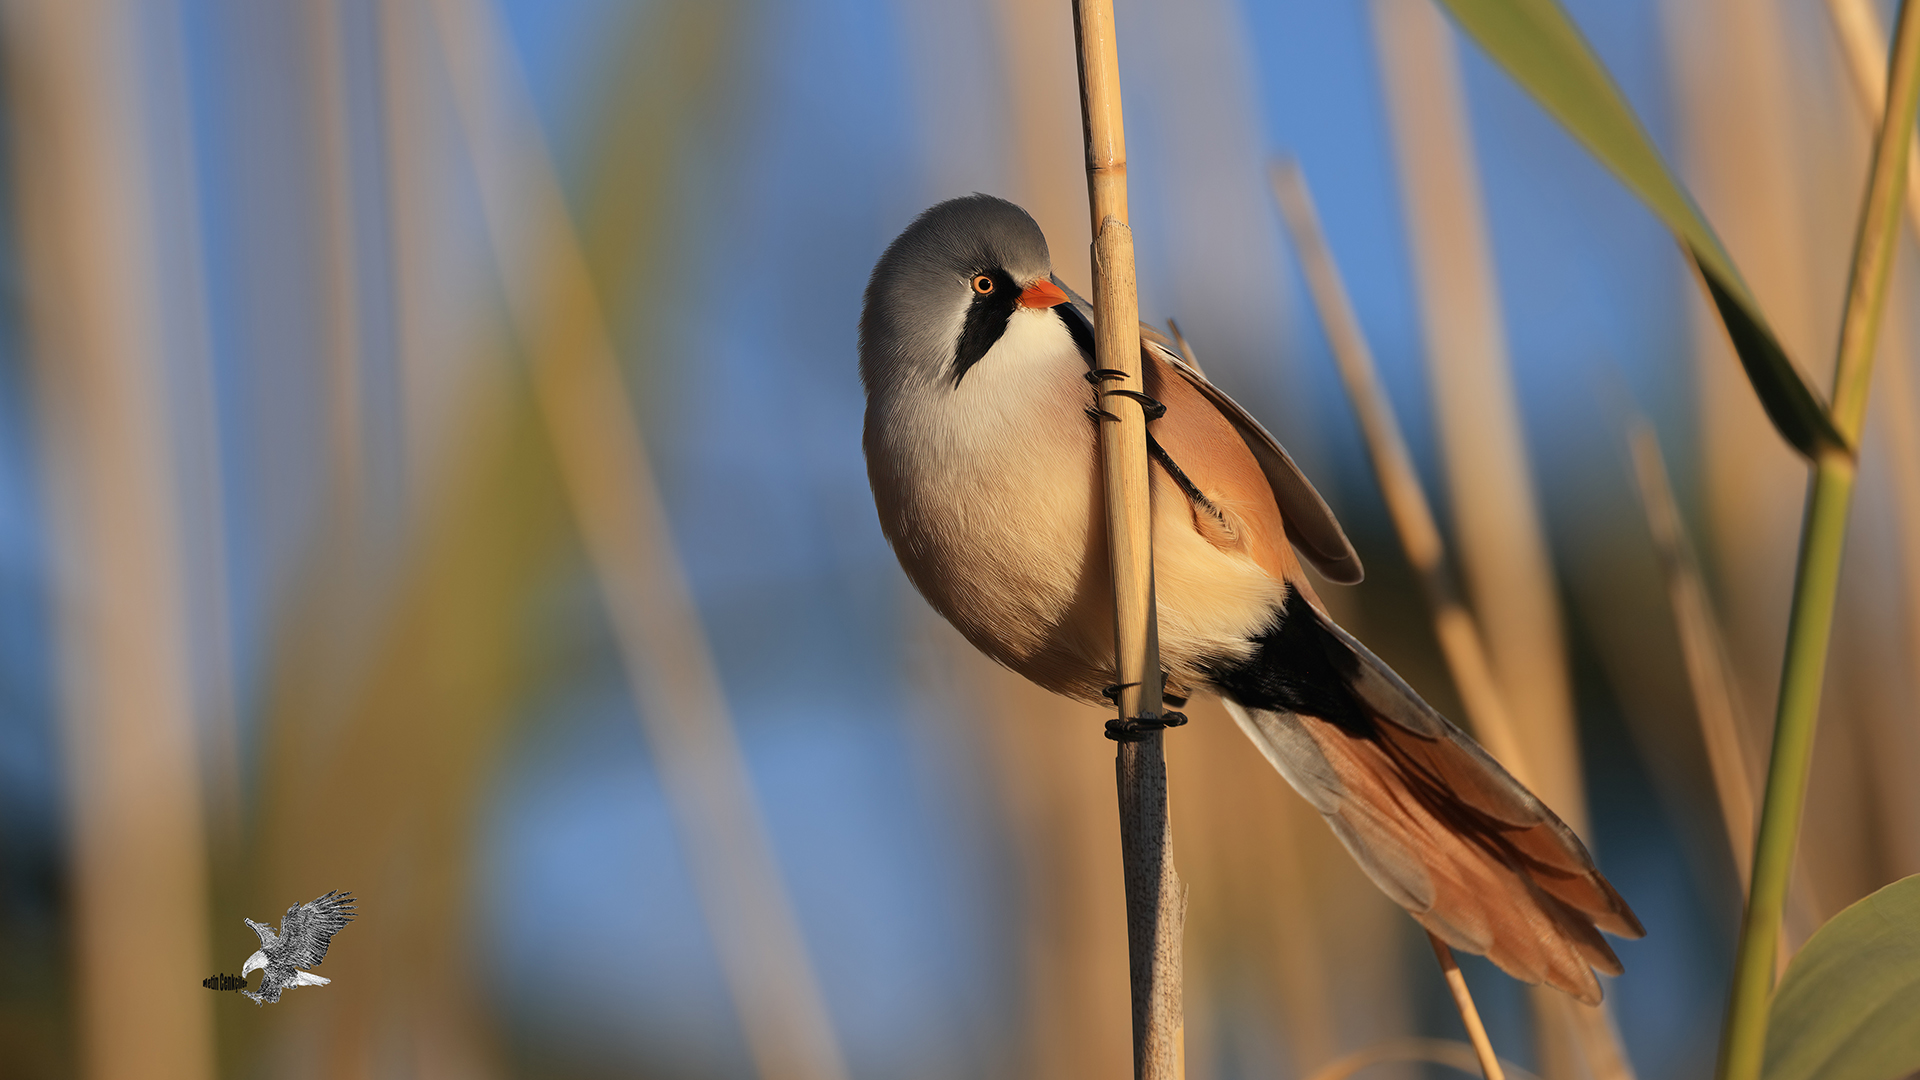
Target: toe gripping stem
{"points": [[1127, 729], [1153, 408]]}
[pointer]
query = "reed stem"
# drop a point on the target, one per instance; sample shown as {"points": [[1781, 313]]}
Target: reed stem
{"points": [[1816, 586], [1156, 901], [1469, 1015]]}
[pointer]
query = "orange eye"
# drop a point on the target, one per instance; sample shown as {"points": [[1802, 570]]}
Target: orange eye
{"points": [[982, 284]]}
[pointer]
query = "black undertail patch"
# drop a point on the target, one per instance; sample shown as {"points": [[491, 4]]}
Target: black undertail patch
{"points": [[1298, 666]]}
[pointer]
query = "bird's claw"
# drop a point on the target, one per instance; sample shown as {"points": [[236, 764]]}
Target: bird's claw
{"points": [[1105, 374], [1153, 407], [1128, 729]]}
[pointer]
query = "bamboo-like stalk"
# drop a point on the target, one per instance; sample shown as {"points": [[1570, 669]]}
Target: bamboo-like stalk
{"points": [[1700, 646], [1156, 901], [137, 860], [1816, 585], [609, 482], [1469, 1015]]}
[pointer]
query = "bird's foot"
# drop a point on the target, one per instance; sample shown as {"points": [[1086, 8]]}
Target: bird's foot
{"points": [[1151, 406], [1134, 728]]}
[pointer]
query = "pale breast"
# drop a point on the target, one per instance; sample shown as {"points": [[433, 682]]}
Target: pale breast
{"points": [[989, 493]]}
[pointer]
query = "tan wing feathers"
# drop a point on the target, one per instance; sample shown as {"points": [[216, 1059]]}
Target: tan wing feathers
{"points": [[1309, 522], [1305, 518], [1241, 510]]}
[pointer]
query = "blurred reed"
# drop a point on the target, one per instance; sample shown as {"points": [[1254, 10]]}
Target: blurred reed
{"points": [[1501, 538], [1731, 758], [1459, 637], [135, 824], [603, 464], [1701, 646], [1864, 46], [338, 227], [1739, 145], [1454, 627], [1816, 583], [1750, 146], [203, 503], [1454, 1055]]}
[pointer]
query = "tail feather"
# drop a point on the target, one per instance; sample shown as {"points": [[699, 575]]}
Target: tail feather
{"points": [[1432, 819]]}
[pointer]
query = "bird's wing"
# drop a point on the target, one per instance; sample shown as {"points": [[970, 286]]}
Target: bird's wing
{"points": [[267, 937], [1234, 506], [1308, 521], [307, 929]]}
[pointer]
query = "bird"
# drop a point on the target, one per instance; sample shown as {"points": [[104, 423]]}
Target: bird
{"points": [[980, 436], [305, 931]]}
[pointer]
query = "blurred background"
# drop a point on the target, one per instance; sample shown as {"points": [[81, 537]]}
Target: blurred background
{"points": [[430, 467]]}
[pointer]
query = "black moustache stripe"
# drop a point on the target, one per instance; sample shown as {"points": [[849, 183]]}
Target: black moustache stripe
{"points": [[986, 322]]}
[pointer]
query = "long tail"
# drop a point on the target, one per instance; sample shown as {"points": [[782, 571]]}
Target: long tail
{"points": [[1431, 818]]}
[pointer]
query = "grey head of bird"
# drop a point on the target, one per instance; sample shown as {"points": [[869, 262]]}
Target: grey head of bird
{"points": [[947, 290], [254, 963]]}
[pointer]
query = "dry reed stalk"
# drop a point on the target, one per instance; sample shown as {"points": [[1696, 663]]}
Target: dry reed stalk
{"points": [[1469, 1016], [138, 858], [1701, 647], [1156, 902], [609, 483], [1393, 468], [1075, 1017]]}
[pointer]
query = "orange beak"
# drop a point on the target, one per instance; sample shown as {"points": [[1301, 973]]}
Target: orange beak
{"points": [[1043, 294]]}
